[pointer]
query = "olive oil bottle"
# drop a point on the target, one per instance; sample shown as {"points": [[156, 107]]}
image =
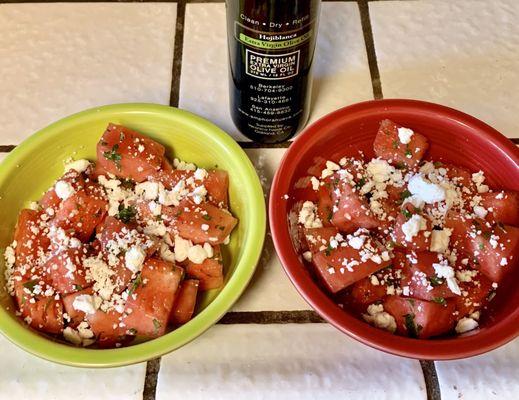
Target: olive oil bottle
{"points": [[271, 48]]}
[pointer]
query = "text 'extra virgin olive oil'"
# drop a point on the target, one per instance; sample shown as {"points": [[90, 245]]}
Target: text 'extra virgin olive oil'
{"points": [[271, 47]]}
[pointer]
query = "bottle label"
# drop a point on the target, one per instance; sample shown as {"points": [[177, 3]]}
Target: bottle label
{"points": [[270, 66], [271, 41], [271, 55]]}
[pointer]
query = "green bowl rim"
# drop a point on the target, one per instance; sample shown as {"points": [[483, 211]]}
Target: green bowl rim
{"points": [[99, 358]]}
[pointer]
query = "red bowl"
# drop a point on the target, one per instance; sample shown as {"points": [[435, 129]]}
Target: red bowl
{"points": [[454, 137]]}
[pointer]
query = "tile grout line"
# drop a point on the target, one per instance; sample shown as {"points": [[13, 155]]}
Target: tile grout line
{"points": [[177, 54], [7, 148], [150, 380], [432, 384], [256, 145], [369, 42], [271, 317]]}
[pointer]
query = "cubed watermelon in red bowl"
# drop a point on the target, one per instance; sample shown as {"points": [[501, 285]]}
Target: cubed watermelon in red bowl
{"points": [[454, 138]]}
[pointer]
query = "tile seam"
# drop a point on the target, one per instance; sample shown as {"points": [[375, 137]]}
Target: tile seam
{"points": [[271, 317], [177, 54], [369, 42], [432, 385]]}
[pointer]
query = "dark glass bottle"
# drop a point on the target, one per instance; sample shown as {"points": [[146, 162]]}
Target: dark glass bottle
{"points": [[271, 47]]}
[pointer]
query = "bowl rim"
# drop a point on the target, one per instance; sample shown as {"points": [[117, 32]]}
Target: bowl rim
{"points": [[438, 349], [250, 252]]}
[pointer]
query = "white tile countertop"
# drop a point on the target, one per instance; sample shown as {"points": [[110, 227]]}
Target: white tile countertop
{"points": [[462, 53]]}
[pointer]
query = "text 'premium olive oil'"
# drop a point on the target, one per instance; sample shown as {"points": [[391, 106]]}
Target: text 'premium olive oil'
{"points": [[271, 47]]}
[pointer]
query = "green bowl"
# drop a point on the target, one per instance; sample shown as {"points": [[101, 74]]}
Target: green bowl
{"points": [[33, 166]]}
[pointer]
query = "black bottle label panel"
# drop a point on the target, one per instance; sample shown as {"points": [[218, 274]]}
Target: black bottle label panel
{"points": [[270, 70]]}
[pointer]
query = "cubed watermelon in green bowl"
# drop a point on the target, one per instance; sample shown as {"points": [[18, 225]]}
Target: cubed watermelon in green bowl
{"points": [[33, 166], [455, 139]]}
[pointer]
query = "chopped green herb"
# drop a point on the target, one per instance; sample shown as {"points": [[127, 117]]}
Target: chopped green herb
{"points": [[410, 325], [336, 182], [390, 244], [481, 246], [222, 228], [126, 214], [178, 213], [441, 301], [207, 217], [47, 304], [135, 284], [400, 165], [408, 153], [330, 215], [487, 234], [156, 324], [405, 194], [77, 287], [114, 156], [127, 183], [406, 213], [435, 281], [328, 250], [360, 183], [30, 284], [437, 164], [395, 144]]}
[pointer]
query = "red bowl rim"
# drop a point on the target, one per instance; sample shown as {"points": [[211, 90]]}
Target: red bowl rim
{"points": [[439, 349]]}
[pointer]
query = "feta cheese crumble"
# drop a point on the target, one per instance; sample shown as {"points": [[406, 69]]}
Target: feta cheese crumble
{"points": [[166, 254], [78, 165], [331, 167], [85, 303], [307, 255], [404, 135], [413, 226], [181, 248], [308, 216], [64, 190], [148, 190], [466, 324], [443, 270], [380, 170], [377, 317], [425, 190], [480, 212], [440, 240], [134, 258]]}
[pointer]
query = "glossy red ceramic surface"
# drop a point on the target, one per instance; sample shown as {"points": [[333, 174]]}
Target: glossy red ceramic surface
{"points": [[454, 137]]}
